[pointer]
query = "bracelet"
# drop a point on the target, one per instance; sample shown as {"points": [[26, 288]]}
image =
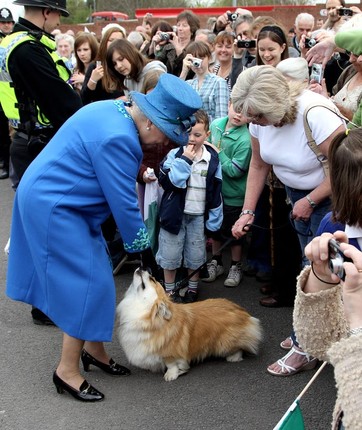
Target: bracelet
{"points": [[353, 331], [310, 201], [93, 81], [247, 212], [321, 280]]}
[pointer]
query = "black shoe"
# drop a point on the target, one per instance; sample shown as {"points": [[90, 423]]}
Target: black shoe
{"points": [[4, 174], [39, 317], [86, 392], [112, 368], [190, 296]]}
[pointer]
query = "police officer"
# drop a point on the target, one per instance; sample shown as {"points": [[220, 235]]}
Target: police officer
{"points": [[6, 27], [43, 98]]}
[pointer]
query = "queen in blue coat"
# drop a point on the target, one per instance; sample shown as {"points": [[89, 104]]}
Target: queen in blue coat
{"points": [[58, 258]]}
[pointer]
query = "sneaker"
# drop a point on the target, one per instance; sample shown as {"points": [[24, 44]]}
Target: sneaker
{"points": [[214, 270], [234, 277], [190, 297]]}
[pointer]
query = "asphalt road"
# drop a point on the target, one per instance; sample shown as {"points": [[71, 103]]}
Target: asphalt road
{"points": [[213, 395]]}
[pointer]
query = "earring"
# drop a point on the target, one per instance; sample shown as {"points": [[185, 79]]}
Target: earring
{"points": [[148, 128]]}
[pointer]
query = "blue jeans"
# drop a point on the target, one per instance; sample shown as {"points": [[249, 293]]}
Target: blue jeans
{"points": [[188, 245], [307, 229]]}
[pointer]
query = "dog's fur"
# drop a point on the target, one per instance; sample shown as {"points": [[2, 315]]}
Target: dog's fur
{"points": [[156, 333]]}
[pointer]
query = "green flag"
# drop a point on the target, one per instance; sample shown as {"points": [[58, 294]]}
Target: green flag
{"points": [[292, 419]]}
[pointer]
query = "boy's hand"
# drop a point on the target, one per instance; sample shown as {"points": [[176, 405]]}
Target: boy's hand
{"points": [[189, 151]]}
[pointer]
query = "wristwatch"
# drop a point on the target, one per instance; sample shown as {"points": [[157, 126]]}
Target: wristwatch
{"points": [[310, 201]]}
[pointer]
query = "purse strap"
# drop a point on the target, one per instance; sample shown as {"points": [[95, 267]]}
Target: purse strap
{"points": [[310, 139]]}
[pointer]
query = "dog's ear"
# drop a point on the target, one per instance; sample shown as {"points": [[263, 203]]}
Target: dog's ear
{"points": [[164, 311]]}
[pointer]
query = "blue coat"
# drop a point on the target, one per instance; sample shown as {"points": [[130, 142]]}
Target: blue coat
{"points": [[58, 257]]}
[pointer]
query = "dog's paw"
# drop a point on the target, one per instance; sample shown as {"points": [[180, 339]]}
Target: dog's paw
{"points": [[172, 374], [238, 356]]}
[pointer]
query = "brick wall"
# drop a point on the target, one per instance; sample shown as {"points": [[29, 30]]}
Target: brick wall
{"points": [[285, 17]]}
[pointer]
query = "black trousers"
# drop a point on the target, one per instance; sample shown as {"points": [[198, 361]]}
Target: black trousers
{"points": [[4, 139]]}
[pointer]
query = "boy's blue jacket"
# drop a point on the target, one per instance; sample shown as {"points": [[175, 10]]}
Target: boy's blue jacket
{"points": [[175, 170]]}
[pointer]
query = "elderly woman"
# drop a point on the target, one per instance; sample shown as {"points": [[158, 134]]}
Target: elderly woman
{"points": [[275, 108], [58, 258]]}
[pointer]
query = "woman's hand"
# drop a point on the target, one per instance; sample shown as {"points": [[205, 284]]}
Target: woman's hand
{"points": [[77, 78], [97, 73], [240, 228], [317, 252], [352, 287], [318, 88], [302, 210]]}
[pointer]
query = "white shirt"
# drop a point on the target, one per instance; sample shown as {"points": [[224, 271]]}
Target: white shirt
{"points": [[286, 148], [354, 232], [196, 186]]}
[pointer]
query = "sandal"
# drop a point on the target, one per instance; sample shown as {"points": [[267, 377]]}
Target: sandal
{"points": [[301, 361], [286, 343]]}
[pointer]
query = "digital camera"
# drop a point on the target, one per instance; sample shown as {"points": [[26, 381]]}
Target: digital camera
{"points": [[165, 36], [232, 16], [336, 258], [246, 43], [345, 11], [309, 42], [196, 62], [316, 72]]}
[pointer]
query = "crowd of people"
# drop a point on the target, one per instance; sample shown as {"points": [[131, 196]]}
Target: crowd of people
{"points": [[244, 145]]}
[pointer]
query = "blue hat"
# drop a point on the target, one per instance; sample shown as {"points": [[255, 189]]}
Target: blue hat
{"points": [[170, 107]]}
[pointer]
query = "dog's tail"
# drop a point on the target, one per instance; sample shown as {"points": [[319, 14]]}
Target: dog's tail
{"points": [[253, 336]]}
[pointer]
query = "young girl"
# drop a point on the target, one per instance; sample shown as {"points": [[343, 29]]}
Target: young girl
{"points": [[272, 46], [212, 89], [85, 50], [127, 65], [98, 83]]}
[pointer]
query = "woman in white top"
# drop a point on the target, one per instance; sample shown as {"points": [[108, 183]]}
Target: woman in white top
{"points": [[275, 108]]}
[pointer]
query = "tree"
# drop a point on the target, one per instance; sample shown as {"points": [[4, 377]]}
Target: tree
{"points": [[79, 11]]}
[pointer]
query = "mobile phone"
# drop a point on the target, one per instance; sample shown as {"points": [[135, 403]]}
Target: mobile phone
{"points": [[98, 63], [317, 72], [336, 258]]}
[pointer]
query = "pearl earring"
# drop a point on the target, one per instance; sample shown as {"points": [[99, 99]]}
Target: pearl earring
{"points": [[148, 128]]}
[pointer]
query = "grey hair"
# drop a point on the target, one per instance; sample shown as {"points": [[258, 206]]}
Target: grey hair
{"points": [[67, 37], [242, 18], [264, 90], [210, 35], [304, 16]]}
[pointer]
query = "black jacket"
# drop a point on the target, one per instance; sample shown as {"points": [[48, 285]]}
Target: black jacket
{"points": [[35, 76]]}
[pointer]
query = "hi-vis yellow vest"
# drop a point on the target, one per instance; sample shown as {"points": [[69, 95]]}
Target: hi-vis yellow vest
{"points": [[8, 99]]}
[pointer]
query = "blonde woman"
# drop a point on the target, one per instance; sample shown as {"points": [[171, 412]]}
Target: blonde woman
{"points": [[275, 107]]}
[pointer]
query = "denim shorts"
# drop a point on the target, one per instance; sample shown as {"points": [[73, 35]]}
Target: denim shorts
{"points": [[189, 244]]}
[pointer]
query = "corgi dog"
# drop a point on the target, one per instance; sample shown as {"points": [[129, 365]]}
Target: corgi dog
{"points": [[158, 335]]}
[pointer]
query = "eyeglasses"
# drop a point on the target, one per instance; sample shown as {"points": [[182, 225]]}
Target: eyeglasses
{"points": [[255, 117]]}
